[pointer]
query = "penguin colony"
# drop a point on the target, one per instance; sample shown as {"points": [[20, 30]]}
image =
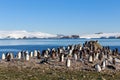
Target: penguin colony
{"points": [[90, 53]]}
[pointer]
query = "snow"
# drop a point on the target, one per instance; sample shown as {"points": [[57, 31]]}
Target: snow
{"points": [[105, 35], [23, 33]]}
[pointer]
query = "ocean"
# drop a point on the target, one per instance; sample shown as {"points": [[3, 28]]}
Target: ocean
{"points": [[15, 46]]}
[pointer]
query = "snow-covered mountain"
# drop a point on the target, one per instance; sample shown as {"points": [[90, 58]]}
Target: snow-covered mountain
{"points": [[24, 34], [101, 35]]}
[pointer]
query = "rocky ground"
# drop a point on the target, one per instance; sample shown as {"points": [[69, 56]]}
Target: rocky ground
{"points": [[53, 70]]}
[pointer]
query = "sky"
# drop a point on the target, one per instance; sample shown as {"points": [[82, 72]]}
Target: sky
{"points": [[60, 16]]}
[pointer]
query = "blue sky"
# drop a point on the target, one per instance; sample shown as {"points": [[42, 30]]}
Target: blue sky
{"points": [[60, 16]]}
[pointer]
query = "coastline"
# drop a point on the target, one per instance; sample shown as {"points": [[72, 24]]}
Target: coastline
{"points": [[37, 69]]}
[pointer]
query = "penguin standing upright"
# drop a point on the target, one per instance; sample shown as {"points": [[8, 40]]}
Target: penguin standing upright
{"points": [[35, 53], [8, 57], [68, 62], [27, 52], [27, 57], [53, 54], [80, 48], [31, 54], [75, 57], [100, 56], [97, 68], [96, 56], [19, 55], [68, 47], [81, 55], [46, 53], [90, 59], [62, 57], [3, 56], [70, 52], [62, 60], [114, 62], [11, 55], [103, 64], [61, 51], [38, 55]]}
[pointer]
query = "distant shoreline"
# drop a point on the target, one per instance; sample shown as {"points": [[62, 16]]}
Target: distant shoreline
{"points": [[53, 38]]}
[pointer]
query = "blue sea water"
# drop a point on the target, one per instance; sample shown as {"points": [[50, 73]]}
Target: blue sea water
{"points": [[15, 46]]}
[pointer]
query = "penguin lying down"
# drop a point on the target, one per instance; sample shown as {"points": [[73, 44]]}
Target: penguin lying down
{"points": [[45, 60]]}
